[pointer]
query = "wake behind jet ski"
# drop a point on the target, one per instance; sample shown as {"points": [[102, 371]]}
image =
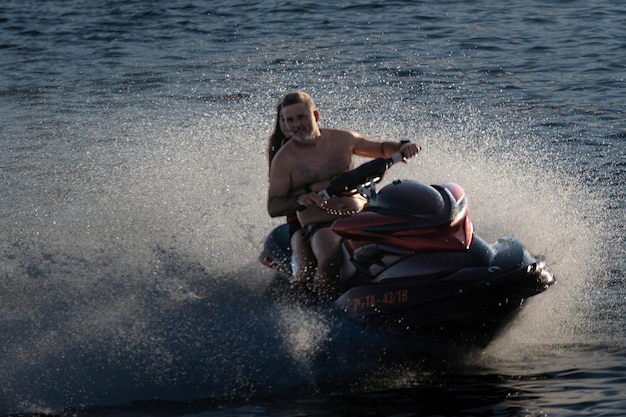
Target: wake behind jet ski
{"points": [[413, 264]]}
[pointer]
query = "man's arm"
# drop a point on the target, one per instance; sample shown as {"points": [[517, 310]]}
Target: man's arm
{"points": [[372, 149], [279, 202], [282, 206]]}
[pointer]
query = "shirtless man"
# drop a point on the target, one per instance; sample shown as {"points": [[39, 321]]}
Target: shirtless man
{"points": [[304, 166]]}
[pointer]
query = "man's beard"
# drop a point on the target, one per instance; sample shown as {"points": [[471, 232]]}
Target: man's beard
{"points": [[303, 136]]}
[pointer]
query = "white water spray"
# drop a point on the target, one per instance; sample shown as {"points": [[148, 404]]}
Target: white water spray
{"points": [[140, 273]]}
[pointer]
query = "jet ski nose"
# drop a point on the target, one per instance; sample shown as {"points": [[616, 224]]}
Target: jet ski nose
{"points": [[544, 277]]}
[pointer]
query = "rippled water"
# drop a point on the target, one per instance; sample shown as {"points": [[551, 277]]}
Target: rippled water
{"points": [[132, 139]]}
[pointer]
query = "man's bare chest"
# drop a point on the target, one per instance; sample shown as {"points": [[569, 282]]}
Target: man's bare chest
{"points": [[317, 169]]}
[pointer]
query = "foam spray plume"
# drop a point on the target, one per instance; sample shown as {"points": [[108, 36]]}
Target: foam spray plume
{"points": [[129, 280], [138, 279]]}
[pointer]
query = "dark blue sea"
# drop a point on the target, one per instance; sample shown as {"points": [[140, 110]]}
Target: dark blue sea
{"points": [[133, 179]]}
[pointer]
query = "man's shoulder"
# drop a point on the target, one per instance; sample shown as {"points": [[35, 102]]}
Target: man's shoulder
{"points": [[338, 133], [282, 153], [286, 155], [339, 137]]}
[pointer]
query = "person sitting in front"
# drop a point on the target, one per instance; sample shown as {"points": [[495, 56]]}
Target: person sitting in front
{"points": [[308, 162]]}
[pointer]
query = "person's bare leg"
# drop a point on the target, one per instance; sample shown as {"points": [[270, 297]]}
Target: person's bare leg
{"points": [[305, 259], [326, 246]]}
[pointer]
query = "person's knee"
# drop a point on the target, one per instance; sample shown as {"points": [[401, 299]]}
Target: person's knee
{"points": [[326, 245]]}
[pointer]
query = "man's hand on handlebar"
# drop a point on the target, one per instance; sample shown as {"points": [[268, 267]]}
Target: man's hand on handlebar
{"points": [[409, 150], [311, 199]]}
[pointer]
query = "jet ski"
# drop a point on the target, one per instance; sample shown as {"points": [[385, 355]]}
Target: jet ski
{"points": [[413, 264]]}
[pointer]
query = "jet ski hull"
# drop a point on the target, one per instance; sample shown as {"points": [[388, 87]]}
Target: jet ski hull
{"points": [[468, 294]]}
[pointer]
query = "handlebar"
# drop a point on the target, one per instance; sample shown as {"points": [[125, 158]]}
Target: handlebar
{"points": [[362, 175]]}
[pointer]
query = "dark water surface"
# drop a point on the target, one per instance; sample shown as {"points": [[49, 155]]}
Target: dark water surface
{"points": [[133, 187]]}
